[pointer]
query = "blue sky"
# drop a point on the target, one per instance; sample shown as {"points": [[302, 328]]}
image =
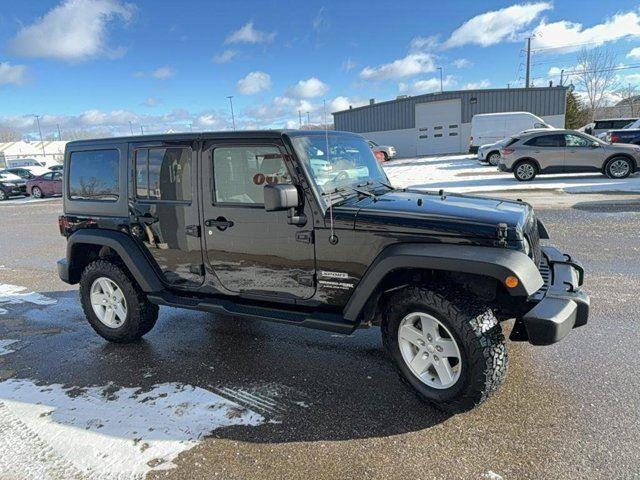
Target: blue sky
{"points": [[96, 65]]}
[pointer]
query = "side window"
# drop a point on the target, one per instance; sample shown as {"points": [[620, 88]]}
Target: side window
{"points": [[93, 175], [240, 173], [607, 125], [576, 141], [57, 176], [47, 176], [163, 174], [545, 141]]}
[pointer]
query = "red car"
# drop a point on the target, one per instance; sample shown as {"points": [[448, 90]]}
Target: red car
{"points": [[380, 156], [44, 185]]}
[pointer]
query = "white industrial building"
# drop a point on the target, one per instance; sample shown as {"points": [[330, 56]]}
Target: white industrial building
{"points": [[47, 152], [440, 123]]}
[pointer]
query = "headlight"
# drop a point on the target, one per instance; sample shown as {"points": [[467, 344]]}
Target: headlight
{"points": [[527, 247]]}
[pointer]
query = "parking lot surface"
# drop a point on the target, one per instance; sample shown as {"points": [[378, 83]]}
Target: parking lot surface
{"points": [[205, 396]]}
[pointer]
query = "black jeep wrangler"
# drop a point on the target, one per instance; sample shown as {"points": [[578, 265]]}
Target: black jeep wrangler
{"points": [[302, 227]]}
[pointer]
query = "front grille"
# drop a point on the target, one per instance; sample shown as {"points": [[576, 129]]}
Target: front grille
{"points": [[534, 239], [545, 273]]}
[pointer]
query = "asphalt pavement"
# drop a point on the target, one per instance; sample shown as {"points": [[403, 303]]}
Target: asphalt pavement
{"points": [[324, 406]]}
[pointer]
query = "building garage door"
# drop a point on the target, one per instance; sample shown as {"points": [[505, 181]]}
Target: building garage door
{"points": [[438, 125]]}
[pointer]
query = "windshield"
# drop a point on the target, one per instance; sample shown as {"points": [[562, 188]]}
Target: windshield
{"points": [[337, 161]]}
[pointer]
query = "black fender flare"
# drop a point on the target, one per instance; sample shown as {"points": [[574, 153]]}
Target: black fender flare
{"points": [[498, 263], [127, 249]]}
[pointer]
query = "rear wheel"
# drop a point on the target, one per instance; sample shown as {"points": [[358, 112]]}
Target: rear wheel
{"points": [[114, 304], [3, 195], [494, 158], [619, 167], [525, 171], [448, 347], [36, 192]]}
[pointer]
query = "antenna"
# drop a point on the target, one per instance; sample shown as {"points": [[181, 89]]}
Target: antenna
{"points": [[333, 239]]}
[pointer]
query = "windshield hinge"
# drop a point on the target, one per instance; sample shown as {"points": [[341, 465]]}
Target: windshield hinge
{"points": [[305, 236], [502, 235]]}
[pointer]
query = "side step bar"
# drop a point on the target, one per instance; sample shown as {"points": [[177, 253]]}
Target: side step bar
{"points": [[316, 320]]}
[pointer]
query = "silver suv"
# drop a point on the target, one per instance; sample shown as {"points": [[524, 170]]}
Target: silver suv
{"points": [[565, 151]]}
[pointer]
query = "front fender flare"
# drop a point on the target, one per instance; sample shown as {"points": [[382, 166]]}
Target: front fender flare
{"points": [[126, 248], [498, 263]]}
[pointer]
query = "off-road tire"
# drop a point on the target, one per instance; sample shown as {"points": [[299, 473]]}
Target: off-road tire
{"points": [[478, 335], [141, 314], [607, 168], [521, 163]]}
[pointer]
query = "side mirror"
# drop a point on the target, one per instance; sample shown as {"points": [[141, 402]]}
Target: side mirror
{"points": [[280, 197]]}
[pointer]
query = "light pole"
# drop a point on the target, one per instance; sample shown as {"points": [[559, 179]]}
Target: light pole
{"points": [[441, 89], [131, 127], [233, 118], [59, 132], [308, 119], [40, 131]]}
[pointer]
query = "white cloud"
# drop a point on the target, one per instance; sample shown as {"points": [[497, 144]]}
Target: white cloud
{"points": [[428, 85], [496, 26], [634, 53], [424, 43], [476, 85], [320, 21], [75, 30], [462, 63], [565, 36], [254, 82], [225, 56], [412, 64], [338, 103], [12, 74], [163, 73], [248, 34], [309, 88]]}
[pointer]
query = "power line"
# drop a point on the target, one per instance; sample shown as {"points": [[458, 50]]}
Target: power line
{"points": [[575, 72], [566, 45]]}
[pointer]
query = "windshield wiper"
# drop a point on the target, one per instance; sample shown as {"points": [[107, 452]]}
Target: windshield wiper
{"points": [[343, 191]]}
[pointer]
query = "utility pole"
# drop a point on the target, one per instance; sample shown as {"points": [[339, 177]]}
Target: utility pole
{"points": [[59, 134], [131, 127], [40, 131], [300, 118], [233, 118], [308, 119], [561, 77], [190, 126], [527, 83], [141, 130], [441, 89]]}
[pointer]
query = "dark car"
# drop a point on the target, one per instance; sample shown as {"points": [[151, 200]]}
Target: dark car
{"points": [[630, 136], [45, 185], [56, 168], [247, 224], [10, 187]]}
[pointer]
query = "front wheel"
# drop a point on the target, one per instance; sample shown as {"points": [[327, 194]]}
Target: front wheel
{"points": [[449, 348], [619, 167], [3, 195], [36, 192]]}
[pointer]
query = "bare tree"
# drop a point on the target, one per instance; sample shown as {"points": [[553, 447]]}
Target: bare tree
{"points": [[629, 99], [595, 74], [8, 134]]}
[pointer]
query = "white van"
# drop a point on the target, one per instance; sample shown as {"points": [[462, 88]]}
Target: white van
{"points": [[492, 127]]}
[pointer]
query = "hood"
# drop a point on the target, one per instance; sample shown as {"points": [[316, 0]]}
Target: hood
{"points": [[410, 211]]}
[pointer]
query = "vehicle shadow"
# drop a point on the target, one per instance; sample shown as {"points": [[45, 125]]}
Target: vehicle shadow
{"points": [[308, 385]]}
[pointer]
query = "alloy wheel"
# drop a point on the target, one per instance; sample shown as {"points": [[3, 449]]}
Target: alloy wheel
{"points": [[3, 196], [494, 159], [619, 168], [36, 192], [525, 171], [108, 302], [429, 350]]}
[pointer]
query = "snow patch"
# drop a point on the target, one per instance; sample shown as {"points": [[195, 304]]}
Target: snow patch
{"points": [[106, 431], [14, 295], [4, 343]]}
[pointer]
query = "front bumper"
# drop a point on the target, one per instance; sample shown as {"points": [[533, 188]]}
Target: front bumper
{"points": [[560, 305]]}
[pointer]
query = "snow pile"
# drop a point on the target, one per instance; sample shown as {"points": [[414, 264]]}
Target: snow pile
{"points": [[14, 295], [105, 432], [4, 343]]}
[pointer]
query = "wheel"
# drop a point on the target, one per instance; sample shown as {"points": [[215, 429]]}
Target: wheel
{"points": [[114, 304], [619, 167], [3, 195], [525, 171], [36, 192], [447, 346], [494, 158]]}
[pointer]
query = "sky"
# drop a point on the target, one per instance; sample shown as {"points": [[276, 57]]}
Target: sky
{"points": [[109, 67]]}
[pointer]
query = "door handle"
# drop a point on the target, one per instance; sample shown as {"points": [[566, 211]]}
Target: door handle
{"points": [[220, 223]]}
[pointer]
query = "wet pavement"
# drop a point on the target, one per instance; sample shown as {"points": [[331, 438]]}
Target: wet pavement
{"points": [[299, 403]]}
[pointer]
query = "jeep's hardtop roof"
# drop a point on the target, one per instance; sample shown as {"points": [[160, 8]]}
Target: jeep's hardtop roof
{"points": [[224, 135]]}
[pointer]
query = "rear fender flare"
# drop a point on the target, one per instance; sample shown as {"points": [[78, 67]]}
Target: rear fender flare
{"points": [[497, 263], [127, 249]]}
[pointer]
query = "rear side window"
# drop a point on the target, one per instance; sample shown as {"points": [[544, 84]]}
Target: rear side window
{"points": [[511, 141], [546, 141], [163, 174], [94, 175], [606, 125]]}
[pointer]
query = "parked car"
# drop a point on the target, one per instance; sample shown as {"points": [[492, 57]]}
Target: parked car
{"points": [[600, 127], [13, 178], [630, 134], [45, 185], [387, 151], [200, 228], [56, 168], [380, 156], [9, 187], [493, 127], [490, 153], [566, 151]]}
